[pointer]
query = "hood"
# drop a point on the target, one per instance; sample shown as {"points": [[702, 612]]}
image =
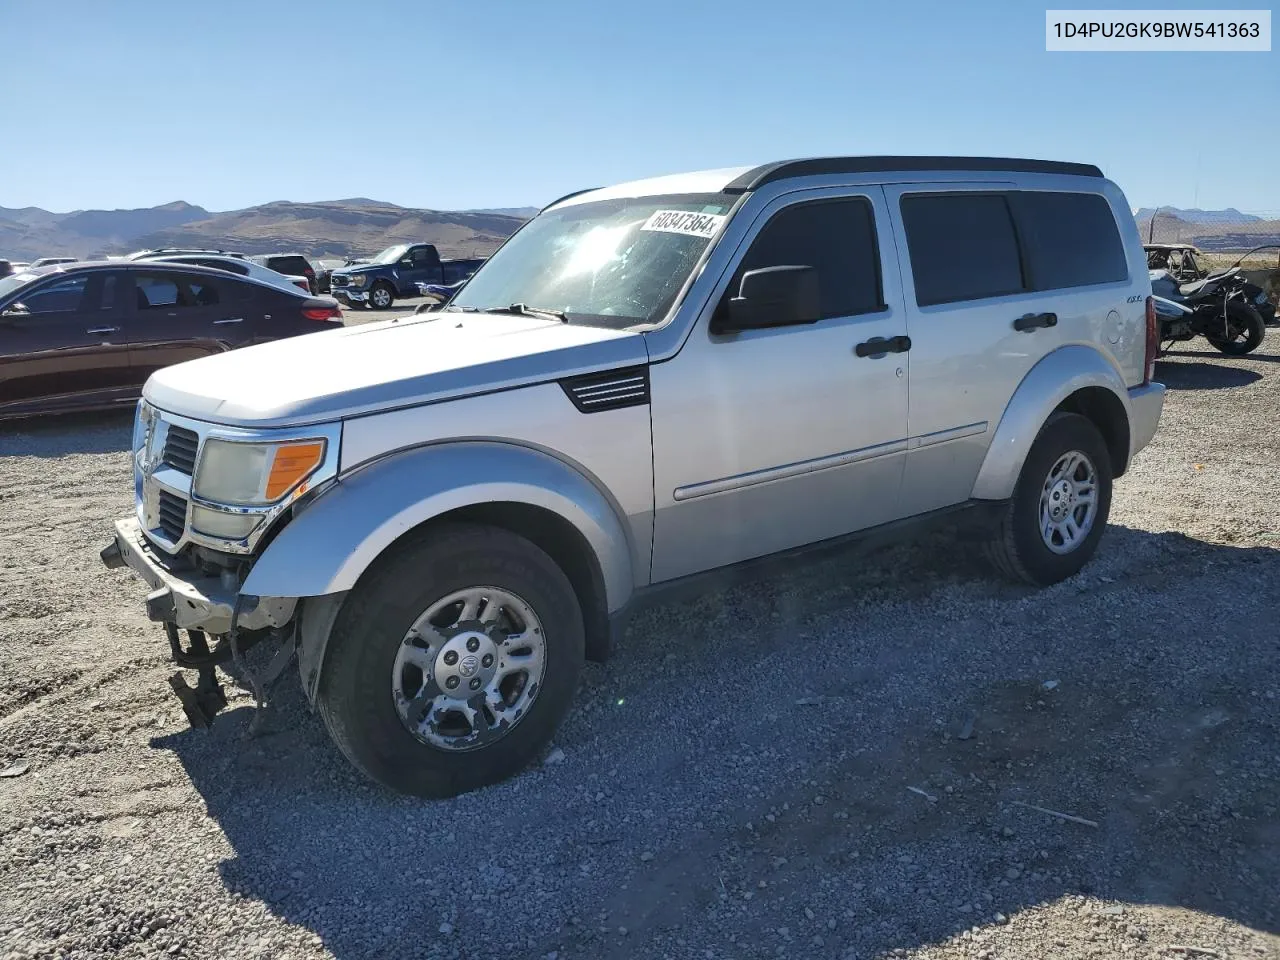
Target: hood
{"points": [[352, 371], [361, 268]]}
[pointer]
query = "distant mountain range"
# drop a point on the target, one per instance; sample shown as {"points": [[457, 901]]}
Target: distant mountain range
{"points": [[361, 226], [332, 228], [1223, 230], [1196, 215]]}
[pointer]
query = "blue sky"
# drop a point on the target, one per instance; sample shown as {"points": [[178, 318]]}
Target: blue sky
{"points": [[487, 103]]}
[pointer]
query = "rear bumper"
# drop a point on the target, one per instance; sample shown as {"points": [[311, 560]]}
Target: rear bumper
{"points": [[190, 603], [1145, 405]]}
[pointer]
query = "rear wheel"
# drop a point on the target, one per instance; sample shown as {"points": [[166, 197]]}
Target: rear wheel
{"points": [[1244, 330], [453, 662], [1060, 505], [381, 296]]}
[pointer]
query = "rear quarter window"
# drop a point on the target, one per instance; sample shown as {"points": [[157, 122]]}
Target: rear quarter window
{"points": [[292, 266], [1070, 239], [963, 246]]}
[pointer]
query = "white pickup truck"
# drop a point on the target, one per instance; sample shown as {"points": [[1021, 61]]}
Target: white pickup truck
{"points": [[658, 384]]}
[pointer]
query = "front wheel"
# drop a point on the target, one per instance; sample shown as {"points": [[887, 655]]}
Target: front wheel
{"points": [[452, 664], [1244, 330], [381, 296], [1060, 505]]}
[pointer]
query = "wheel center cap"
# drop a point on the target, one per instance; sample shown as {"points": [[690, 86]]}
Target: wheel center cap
{"points": [[1062, 498], [465, 664]]}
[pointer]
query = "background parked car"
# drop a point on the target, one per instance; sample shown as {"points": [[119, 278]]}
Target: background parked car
{"points": [[51, 261], [243, 268], [6, 268], [396, 272], [290, 264], [87, 336]]}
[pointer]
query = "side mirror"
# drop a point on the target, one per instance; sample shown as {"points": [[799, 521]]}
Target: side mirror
{"points": [[773, 297], [15, 310]]}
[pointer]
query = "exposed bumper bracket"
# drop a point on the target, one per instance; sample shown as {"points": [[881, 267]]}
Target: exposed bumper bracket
{"points": [[202, 702]]}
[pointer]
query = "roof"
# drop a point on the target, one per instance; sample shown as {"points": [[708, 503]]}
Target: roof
{"points": [[1171, 246], [124, 265], [738, 180]]}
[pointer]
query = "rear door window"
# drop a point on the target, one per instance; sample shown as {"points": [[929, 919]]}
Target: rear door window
{"points": [[1071, 239], [835, 237], [175, 291], [962, 246], [203, 291], [290, 266], [155, 291]]}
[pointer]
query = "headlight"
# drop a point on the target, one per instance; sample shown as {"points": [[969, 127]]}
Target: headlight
{"points": [[255, 474], [357, 279]]}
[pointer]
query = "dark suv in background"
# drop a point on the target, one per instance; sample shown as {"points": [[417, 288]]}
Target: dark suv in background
{"points": [[290, 264], [87, 336]]}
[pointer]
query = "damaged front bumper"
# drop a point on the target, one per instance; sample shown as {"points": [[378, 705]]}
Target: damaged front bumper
{"points": [[188, 599], [204, 606]]}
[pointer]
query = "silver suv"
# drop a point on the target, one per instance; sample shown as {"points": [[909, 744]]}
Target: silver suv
{"points": [[650, 385]]}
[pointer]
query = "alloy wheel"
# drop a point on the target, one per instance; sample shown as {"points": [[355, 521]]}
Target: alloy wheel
{"points": [[1068, 502], [469, 668]]}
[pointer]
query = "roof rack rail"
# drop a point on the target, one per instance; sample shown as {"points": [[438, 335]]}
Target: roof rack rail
{"points": [[819, 166]]}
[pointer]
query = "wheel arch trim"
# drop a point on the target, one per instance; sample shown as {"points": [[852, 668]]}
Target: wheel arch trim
{"points": [[1050, 384], [326, 547]]}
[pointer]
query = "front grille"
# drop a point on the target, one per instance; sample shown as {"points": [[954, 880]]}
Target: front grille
{"points": [[338, 281], [612, 390], [180, 447], [172, 515]]}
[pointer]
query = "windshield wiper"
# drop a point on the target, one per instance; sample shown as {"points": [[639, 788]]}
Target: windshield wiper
{"points": [[524, 310]]}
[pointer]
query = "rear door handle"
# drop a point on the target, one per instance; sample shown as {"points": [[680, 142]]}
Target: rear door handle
{"points": [[232, 320], [879, 346], [103, 330], [1031, 322]]}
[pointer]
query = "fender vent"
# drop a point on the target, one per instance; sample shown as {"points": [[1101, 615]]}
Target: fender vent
{"points": [[610, 390]]}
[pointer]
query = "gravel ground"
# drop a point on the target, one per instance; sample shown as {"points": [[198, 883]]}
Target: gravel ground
{"points": [[829, 765]]}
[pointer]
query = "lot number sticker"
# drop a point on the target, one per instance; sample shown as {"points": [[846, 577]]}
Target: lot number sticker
{"points": [[684, 221]]}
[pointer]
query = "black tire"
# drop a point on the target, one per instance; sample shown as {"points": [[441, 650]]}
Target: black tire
{"points": [[381, 287], [1251, 331], [355, 697], [1016, 547]]}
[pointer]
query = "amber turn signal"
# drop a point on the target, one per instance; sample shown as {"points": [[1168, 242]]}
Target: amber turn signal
{"points": [[293, 463]]}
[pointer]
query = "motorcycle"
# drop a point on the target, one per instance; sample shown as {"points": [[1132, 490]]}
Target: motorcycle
{"points": [[437, 294], [1222, 307]]}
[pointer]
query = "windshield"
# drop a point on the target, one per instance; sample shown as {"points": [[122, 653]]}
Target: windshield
{"points": [[392, 254], [13, 282], [615, 263]]}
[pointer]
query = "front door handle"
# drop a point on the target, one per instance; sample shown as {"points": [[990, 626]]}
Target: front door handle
{"points": [[103, 330], [879, 346], [232, 320], [1031, 322]]}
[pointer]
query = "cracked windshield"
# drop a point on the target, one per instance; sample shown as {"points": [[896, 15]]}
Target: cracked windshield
{"points": [[614, 263]]}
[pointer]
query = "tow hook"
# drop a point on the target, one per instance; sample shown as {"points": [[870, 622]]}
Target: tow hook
{"points": [[111, 556]]}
